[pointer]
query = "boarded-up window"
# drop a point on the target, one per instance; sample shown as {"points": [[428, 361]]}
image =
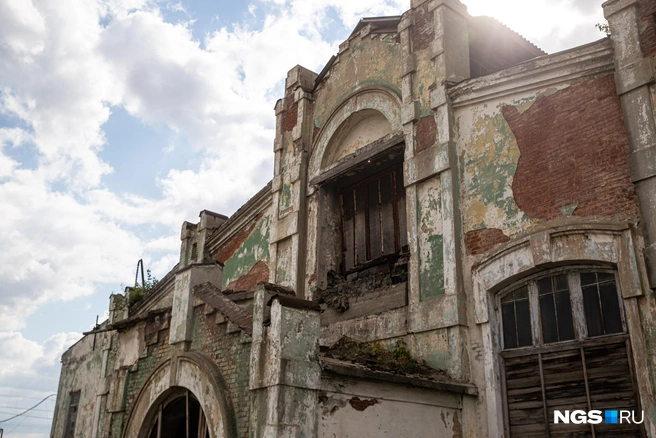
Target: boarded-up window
{"points": [[373, 219], [565, 347], [71, 415]]}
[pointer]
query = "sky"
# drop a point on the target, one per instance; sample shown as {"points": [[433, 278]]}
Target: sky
{"points": [[120, 119]]}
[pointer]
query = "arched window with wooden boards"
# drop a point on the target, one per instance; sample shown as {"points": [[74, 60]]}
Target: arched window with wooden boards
{"points": [[565, 346]]}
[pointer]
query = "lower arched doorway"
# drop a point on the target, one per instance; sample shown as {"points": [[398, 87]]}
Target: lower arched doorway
{"points": [[185, 396], [179, 415]]}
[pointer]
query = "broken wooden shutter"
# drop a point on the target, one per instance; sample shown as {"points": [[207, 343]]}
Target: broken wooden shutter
{"points": [[373, 218]]}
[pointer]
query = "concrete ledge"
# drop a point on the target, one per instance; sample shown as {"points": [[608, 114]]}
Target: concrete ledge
{"points": [[386, 325], [591, 60], [357, 371], [380, 300], [612, 7]]}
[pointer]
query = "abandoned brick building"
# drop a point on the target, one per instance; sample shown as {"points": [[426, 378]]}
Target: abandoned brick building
{"points": [[459, 238]]}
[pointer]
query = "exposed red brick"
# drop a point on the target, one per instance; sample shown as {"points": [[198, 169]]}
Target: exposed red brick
{"points": [[423, 31], [361, 405], [426, 133], [647, 9], [229, 249], [574, 150], [480, 241], [258, 273], [290, 114]]}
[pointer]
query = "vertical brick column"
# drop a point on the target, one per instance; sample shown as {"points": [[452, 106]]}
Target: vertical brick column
{"points": [[183, 300], [437, 53], [285, 374], [293, 137], [634, 78]]}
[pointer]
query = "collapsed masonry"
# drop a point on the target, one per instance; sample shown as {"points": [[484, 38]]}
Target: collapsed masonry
{"points": [[459, 238]]}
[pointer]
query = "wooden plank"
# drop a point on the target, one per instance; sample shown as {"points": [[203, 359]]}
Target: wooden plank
{"points": [[360, 228], [348, 242], [362, 155], [387, 215], [375, 239], [603, 342], [400, 196]]}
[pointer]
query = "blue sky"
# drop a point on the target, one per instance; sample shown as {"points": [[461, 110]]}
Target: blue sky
{"points": [[120, 119]]}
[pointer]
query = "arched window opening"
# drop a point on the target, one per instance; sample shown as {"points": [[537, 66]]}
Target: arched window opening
{"points": [[180, 417], [565, 346], [363, 233]]}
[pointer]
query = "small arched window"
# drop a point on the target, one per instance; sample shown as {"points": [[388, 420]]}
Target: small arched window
{"points": [[180, 416], [565, 346]]}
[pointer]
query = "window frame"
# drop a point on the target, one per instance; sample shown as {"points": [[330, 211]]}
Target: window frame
{"points": [[577, 307], [581, 340], [397, 202], [71, 413]]}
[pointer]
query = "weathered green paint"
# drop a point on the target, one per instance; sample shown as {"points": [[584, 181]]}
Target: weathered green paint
{"points": [[285, 196], [284, 262], [489, 164], [431, 240], [568, 210], [254, 249], [431, 275]]}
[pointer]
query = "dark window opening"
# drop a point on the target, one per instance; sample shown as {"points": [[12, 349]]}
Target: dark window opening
{"points": [[516, 319], [373, 220], [601, 303], [555, 309], [71, 415], [181, 417]]}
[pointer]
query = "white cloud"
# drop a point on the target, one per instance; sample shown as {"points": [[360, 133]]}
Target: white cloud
{"points": [[29, 365]]}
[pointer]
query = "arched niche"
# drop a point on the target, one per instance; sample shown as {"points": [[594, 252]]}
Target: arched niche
{"points": [[361, 119], [198, 375], [358, 130]]}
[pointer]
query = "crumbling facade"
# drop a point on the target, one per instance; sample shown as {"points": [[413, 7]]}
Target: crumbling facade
{"points": [[459, 238]]}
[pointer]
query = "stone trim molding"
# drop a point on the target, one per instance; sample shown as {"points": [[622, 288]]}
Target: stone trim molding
{"points": [[199, 375], [592, 59], [384, 101]]}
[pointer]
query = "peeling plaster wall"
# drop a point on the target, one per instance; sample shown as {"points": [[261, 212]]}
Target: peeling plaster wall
{"points": [[254, 249], [370, 61], [357, 409], [81, 371], [359, 130], [557, 152], [488, 155], [430, 239]]}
